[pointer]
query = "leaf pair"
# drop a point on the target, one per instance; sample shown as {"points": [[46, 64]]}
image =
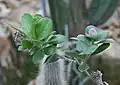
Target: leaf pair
{"points": [[93, 42], [36, 27]]}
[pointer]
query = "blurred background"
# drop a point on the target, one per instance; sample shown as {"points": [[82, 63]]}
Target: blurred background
{"points": [[70, 17]]}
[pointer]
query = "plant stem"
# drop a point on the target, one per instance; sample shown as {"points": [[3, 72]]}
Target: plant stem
{"points": [[88, 73], [86, 59]]}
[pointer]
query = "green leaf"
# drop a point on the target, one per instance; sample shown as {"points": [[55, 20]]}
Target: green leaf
{"points": [[83, 68], [75, 54], [27, 44], [43, 28], [101, 48], [50, 50], [59, 39], [85, 46], [26, 23], [96, 34], [36, 20], [32, 32], [37, 57]]}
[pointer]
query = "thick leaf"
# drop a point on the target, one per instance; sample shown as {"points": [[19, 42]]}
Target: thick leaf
{"points": [[75, 54], [59, 39], [37, 57], [43, 28], [95, 34], [27, 44], [36, 21], [32, 32], [50, 50], [26, 23], [83, 68], [101, 48], [85, 46]]}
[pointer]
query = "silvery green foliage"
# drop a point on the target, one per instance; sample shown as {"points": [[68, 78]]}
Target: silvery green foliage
{"points": [[42, 44]]}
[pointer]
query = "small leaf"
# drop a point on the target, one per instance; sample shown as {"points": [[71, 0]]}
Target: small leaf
{"points": [[83, 68], [101, 48], [96, 34], [50, 50], [75, 54], [85, 46], [59, 39], [27, 44], [26, 23], [36, 21], [37, 57]]}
